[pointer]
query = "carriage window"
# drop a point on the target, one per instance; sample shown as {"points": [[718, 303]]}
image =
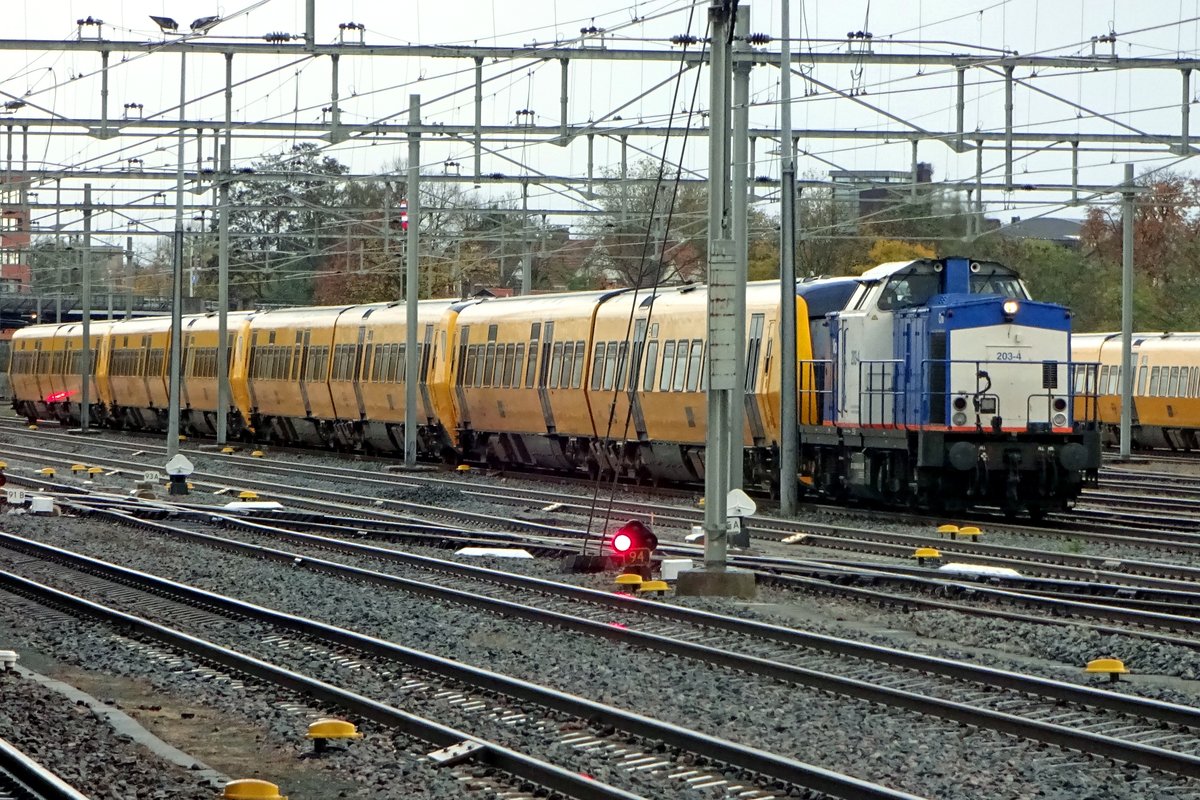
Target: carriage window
{"points": [[622, 363], [580, 357], [402, 362], [1192, 382], [480, 360], [489, 369], [555, 364], [693, 379], [610, 365], [568, 365], [651, 365], [530, 370], [1154, 382], [597, 366], [1114, 380], [668, 367], [681, 361], [1141, 386], [468, 377], [1103, 378], [1173, 390], [518, 366], [510, 356]]}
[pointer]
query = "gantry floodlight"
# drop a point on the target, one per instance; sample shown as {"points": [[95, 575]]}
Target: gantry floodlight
{"points": [[205, 24], [165, 24]]}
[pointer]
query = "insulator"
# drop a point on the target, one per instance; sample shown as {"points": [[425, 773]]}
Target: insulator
{"points": [[759, 39], [685, 39]]}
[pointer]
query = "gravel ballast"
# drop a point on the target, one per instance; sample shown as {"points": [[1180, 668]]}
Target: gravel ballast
{"points": [[870, 741]]}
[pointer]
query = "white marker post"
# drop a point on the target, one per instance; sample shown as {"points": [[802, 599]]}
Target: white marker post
{"points": [[738, 505], [178, 470]]}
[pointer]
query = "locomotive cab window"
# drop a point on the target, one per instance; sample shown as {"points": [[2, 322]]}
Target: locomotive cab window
{"points": [[908, 290]]}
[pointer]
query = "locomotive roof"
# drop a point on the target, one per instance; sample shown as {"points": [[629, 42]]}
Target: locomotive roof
{"points": [[878, 273]]}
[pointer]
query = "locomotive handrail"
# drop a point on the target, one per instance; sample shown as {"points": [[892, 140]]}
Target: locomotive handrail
{"points": [[886, 394]]}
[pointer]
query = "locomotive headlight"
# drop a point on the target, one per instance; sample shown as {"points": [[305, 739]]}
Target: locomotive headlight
{"points": [[1060, 404], [1010, 308], [960, 403], [959, 419], [1059, 420]]}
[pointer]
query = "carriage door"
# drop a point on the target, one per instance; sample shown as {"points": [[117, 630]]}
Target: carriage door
{"points": [[544, 373], [426, 357], [635, 374], [462, 374], [302, 342], [754, 342], [354, 376]]}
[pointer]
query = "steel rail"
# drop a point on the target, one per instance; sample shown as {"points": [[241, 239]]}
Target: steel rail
{"points": [[1058, 690], [1056, 564], [1016, 725], [515, 763], [33, 777], [733, 754], [798, 575], [1181, 541]]}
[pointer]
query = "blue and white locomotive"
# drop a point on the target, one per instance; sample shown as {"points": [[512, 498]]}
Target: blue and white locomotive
{"points": [[943, 385]]}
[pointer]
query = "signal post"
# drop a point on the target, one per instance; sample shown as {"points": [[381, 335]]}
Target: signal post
{"points": [[716, 578]]}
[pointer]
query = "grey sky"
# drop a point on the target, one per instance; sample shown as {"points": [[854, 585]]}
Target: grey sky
{"points": [[378, 88]]}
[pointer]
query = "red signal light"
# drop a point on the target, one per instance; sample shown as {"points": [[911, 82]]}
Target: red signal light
{"points": [[632, 538]]}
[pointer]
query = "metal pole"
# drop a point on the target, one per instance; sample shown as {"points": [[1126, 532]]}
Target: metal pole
{"points": [[1185, 109], [526, 256], [1008, 127], [85, 359], [722, 361], [104, 94], [176, 359], [789, 434], [58, 266], [563, 101], [741, 239], [961, 106], [224, 168], [1127, 365], [412, 284], [223, 302], [479, 120], [310, 23], [128, 277]]}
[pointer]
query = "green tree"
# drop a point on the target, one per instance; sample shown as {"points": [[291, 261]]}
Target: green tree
{"points": [[281, 225]]}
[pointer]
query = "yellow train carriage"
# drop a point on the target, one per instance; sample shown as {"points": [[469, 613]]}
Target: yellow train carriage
{"points": [[29, 373], [519, 380], [135, 377], [287, 363], [381, 376], [198, 398], [65, 384]]}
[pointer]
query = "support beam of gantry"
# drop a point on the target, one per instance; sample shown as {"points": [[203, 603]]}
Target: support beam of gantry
{"points": [[563, 102], [1008, 127]]}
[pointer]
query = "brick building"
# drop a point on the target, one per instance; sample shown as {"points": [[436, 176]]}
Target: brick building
{"points": [[14, 236]]}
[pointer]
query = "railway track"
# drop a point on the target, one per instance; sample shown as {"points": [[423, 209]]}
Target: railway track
{"points": [[1054, 564], [977, 696], [23, 778], [367, 518], [655, 758], [1092, 518]]}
